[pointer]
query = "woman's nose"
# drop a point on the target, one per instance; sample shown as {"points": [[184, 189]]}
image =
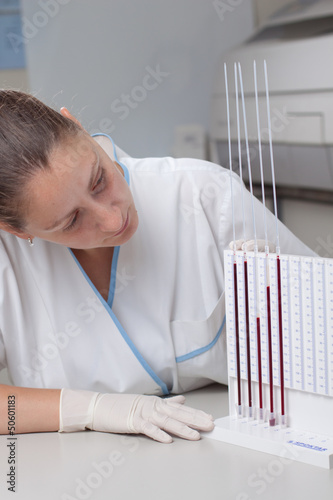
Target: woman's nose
{"points": [[110, 219]]}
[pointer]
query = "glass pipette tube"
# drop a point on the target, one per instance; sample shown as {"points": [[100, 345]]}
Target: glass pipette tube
{"points": [[268, 291], [278, 264], [239, 409], [247, 313], [254, 230]]}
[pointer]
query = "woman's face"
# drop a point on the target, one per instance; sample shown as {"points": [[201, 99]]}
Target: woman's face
{"points": [[83, 200]]}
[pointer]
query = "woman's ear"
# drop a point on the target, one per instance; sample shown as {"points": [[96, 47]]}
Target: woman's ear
{"points": [[64, 111], [15, 232]]}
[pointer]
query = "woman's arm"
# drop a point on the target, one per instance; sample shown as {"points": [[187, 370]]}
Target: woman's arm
{"points": [[34, 410], [25, 410]]}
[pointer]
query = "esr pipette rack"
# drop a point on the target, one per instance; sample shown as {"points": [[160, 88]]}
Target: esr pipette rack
{"points": [[306, 353], [279, 311]]}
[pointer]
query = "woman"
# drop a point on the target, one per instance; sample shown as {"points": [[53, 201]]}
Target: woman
{"points": [[122, 291]]}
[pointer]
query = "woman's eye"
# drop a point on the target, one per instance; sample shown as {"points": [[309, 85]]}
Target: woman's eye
{"points": [[99, 181], [71, 225]]}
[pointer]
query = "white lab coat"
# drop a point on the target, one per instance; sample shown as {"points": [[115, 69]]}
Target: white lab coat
{"points": [[163, 327]]}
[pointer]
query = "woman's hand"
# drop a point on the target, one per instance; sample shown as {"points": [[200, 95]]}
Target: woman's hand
{"points": [[248, 245], [132, 413]]}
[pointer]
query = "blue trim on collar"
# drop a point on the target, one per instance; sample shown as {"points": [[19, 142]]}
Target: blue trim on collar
{"points": [[129, 342], [113, 277], [206, 348]]}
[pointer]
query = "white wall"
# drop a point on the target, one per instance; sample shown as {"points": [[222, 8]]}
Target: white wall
{"points": [[87, 54], [14, 79]]}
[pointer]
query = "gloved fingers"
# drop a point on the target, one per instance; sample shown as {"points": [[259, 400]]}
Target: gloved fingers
{"points": [[175, 427], [176, 399], [153, 431], [248, 245], [185, 414], [261, 245], [238, 244]]}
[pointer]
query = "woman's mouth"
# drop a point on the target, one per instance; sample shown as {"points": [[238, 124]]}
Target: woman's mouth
{"points": [[124, 226]]}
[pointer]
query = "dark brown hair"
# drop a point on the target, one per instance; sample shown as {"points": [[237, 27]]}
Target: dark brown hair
{"points": [[29, 130]]}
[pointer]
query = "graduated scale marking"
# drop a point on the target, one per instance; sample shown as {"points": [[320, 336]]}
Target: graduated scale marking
{"points": [[307, 344]]}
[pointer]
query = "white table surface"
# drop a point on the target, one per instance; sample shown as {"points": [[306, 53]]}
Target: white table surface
{"points": [[66, 467]]}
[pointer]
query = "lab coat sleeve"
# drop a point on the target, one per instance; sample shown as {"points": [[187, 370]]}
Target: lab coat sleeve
{"points": [[2, 353]]}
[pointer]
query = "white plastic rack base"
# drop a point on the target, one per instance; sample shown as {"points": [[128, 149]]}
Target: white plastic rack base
{"points": [[287, 443]]}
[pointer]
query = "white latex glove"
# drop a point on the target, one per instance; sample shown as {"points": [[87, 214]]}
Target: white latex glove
{"points": [[131, 413], [240, 245]]}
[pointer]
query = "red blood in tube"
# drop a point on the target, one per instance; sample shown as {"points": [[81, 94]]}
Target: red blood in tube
{"points": [[280, 335], [237, 337], [247, 316], [270, 355], [259, 363]]}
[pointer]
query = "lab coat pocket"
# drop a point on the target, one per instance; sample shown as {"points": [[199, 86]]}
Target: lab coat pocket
{"points": [[200, 349]]}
